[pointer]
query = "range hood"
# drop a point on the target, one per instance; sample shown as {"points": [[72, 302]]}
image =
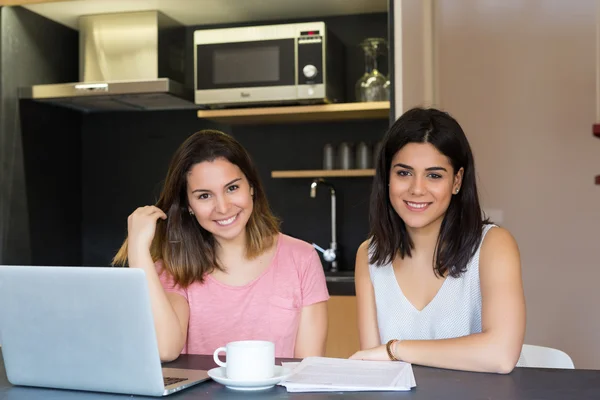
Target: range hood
{"points": [[127, 61]]}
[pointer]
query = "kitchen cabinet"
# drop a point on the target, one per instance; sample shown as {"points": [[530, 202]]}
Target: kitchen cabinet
{"points": [[342, 336]]}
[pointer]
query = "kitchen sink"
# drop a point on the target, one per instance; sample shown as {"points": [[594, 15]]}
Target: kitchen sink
{"points": [[331, 278], [339, 276]]}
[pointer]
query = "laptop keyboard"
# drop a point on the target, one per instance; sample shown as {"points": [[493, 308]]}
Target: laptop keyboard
{"points": [[169, 381]]}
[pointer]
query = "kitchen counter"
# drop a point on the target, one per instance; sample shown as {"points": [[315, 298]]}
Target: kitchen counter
{"points": [[340, 283]]}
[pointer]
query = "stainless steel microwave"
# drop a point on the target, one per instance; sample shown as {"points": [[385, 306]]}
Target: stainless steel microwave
{"points": [[282, 64]]}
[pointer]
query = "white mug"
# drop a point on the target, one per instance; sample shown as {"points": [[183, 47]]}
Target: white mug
{"points": [[247, 359]]}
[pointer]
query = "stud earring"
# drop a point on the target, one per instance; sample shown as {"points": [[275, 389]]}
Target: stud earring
{"points": [[191, 212], [456, 192]]}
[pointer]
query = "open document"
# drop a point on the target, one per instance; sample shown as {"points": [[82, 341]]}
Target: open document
{"points": [[320, 374]]}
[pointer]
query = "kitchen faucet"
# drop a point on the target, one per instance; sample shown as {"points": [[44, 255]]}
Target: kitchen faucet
{"points": [[328, 254]]}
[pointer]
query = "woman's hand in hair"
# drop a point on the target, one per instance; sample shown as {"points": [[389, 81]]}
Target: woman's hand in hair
{"points": [[141, 225]]}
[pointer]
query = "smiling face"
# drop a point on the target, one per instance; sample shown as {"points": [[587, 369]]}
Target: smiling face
{"points": [[220, 197], [422, 183]]}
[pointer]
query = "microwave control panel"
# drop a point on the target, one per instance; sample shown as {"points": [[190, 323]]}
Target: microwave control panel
{"points": [[310, 58]]}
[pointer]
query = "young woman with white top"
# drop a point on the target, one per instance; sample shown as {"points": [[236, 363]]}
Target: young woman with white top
{"points": [[436, 283]]}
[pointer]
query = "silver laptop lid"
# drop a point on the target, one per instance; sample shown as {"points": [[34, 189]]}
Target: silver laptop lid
{"points": [[85, 328]]}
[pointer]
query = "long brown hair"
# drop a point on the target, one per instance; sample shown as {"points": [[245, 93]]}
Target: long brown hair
{"points": [[188, 251]]}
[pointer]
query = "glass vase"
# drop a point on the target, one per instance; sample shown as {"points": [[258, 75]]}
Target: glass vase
{"points": [[373, 85]]}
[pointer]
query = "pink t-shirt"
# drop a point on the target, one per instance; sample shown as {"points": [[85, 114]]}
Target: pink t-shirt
{"points": [[268, 308]]}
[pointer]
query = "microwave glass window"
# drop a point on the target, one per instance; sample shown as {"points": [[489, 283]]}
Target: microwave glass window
{"points": [[246, 65], [263, 63]]}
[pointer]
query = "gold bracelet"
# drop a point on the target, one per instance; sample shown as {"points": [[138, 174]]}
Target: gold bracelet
{"points": [[388, 347]]}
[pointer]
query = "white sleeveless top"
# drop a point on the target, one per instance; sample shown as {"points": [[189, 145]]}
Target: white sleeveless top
{"points": [[454, 311]]}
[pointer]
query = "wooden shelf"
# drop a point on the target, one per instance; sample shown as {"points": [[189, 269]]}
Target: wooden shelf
{"points": [[324, 173], [288, 114]]}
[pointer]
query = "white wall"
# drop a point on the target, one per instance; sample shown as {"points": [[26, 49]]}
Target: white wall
{"points": [[519, 75]]}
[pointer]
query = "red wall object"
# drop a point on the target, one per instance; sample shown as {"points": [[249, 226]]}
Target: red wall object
{"points": [[596, 130]]}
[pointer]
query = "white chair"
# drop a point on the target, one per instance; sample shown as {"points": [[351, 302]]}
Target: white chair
{"points": [[544, 357]]}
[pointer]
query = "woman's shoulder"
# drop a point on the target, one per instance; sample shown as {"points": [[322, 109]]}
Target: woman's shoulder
{"points": [[363, 251], [497, 240], [289, 244], [494, 235], [296, 255], [363, 255]]}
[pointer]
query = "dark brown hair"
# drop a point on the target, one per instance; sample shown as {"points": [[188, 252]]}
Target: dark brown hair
{"points": [[461, 228], [187, 250]]}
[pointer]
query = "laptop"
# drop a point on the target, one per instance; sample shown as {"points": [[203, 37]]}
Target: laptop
{"points": [[83, 328]]}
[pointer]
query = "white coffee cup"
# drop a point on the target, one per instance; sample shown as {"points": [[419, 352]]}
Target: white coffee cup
{"points": [[247, 359]]}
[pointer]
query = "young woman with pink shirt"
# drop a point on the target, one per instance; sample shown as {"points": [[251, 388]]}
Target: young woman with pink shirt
{"points": [[218, 268]]}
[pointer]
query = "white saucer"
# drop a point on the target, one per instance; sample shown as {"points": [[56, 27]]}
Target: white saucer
{"points": [[218, 374]]}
